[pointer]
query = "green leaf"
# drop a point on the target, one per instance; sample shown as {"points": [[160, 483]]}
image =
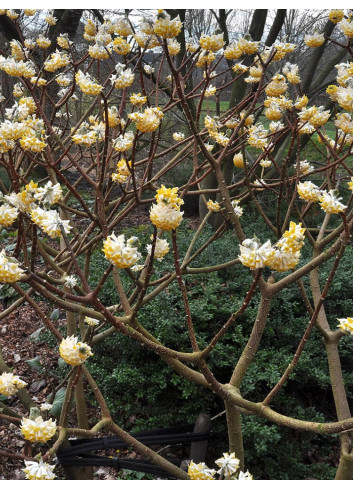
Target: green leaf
{"points": [[35, 336], [58, 402], [61, 363], [55, 315], [34, 364]]}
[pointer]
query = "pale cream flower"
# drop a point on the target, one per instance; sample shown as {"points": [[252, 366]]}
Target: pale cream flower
{"points": [[228, 464], [74, 352], [10, 384], [121, 253], [39, 470], [346, 325], [10, 272], [200, 471], [8, 215], [91, 321], [330, 203], [161, 248], [213, 206], [37, 429]]}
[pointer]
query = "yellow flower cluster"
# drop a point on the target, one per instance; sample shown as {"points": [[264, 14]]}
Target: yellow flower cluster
{"points": [[16, 51], [346, 325], [166, 213], [87, 134], [291, 72], [336, 15], [63, 41], [123, 169], [312, 118], [213, 206], [10, 272], [243, 46], [277, 86], [120, 253], [283, 256], [49, 221], [147, 121], [113, 117], [257, 136], [210, 91], [38, 430], [282, 49], [21, 68], [301, 102], [178, 136], [121, 46], [160, 250], [238, 160], [166, 27], [308, 191], [122, 27], [8, 215], [50, 19], [200, 472], [330, 203], [212, 42], [344, 122], [99, 51], [173, 47], [123, 142], [347, 27], [74, 352], [273, 112], [90, 30], [39, 471], [86, 84], [124, 78], [138, 99], [32, 143], [205, 59], [10, 384], [43, 42], [314, 40]]}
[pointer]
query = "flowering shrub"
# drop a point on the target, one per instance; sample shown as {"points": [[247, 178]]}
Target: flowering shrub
{"points": [[124, 147]]}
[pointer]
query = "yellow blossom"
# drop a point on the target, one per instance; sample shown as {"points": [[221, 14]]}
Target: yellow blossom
{"points": [[308, 191], [147, 121], [346, 325], [38, 470], [121, 253], [10, 272], [74, 352], [347, 27], [238, 160], [8, 215], [43, 42], [38, 430], [336, 15], [87, 85], [314, 40], [213, 206], [330, 203], [166, 27], [160, 250], [10, 384], [212, 43], [277, 86], [121, 46], [138, 99], [200, 471]]}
